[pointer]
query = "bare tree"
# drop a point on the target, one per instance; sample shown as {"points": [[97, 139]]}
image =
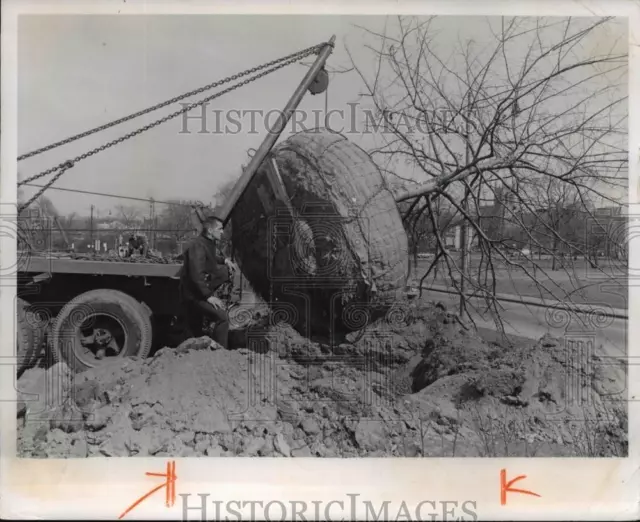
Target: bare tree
{"points": [[219, 197], [223, 192], [131, 216], [37, 223], [533, 106], [419, 222], [556, 225], [418, 230], [176, 219], [46, 207], [68, 221]]}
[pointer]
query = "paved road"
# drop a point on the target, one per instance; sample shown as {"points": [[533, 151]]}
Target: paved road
{"points": [[610, 334]]}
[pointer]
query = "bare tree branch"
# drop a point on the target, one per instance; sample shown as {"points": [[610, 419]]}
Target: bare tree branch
{"points": [[544, 118]]}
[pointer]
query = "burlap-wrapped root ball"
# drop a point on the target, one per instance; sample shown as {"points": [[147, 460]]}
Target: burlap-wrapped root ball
{"points": [[344, 258]]}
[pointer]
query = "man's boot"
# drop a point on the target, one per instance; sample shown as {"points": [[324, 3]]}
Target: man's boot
{"points": [[221, 334]]}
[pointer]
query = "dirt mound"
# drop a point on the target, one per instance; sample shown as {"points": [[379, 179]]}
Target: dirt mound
{"points": [[414, 383]]}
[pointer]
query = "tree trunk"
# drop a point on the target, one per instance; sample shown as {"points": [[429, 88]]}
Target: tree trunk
{"points": [[554, 250]]}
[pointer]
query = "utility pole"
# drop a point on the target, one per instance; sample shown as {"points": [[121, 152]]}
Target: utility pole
{"points": [[155, 230], [98, 229], [91, 226], [152, 233]]}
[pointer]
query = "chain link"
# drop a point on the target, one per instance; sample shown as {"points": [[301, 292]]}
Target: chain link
{"points": [[63, 168], [301, 54], [70, 163]]}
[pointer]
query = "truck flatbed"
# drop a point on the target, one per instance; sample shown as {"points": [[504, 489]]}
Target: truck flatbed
{"points": [[69, 265]]}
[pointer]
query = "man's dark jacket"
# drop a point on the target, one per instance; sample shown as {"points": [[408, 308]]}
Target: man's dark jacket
{"points": [[203, 270]]}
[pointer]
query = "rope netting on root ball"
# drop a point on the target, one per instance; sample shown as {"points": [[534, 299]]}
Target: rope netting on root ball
{"points": [[343, 257]]}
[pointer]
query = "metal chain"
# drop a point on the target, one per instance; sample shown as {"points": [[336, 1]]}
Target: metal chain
{"points": [[301, 54], [63, 168], [110, 144]]}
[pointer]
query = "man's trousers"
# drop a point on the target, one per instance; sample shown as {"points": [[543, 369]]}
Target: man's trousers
{"points": [[197, 311]]}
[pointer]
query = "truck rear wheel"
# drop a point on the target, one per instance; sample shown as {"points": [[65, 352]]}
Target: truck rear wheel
{"points": [[100, 325], [29, 337]]}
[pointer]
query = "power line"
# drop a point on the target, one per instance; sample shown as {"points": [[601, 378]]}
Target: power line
{"points": [[147, 200]]}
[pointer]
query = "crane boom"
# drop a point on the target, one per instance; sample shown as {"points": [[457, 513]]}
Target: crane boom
{"points": [[274, 133]]}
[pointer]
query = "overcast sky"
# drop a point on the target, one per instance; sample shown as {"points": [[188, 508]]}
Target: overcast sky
{"points": [[78, 72]]}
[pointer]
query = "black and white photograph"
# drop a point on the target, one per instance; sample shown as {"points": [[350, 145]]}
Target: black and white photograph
{"points": [[322, 236]]}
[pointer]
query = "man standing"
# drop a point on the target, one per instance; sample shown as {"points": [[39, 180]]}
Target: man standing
{"points": [[203, 272], [138, 244]]}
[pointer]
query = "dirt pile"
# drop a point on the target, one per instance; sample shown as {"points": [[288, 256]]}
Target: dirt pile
{"points": [[416, 383]]}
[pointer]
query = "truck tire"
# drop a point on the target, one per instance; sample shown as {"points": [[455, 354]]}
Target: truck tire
{"points": [[29, 338], [128, 326]]}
